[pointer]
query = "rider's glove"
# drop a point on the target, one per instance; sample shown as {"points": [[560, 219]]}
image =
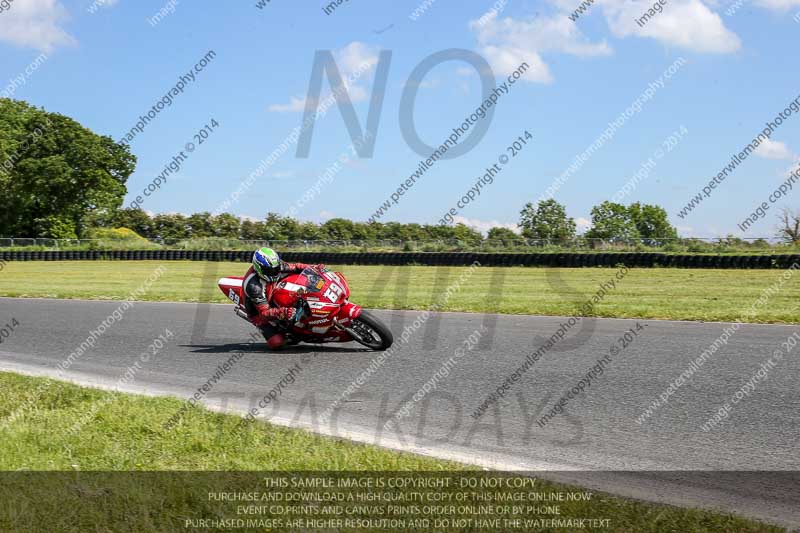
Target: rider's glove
{"points": [[283, 313], [274, 313], [294, 267]]}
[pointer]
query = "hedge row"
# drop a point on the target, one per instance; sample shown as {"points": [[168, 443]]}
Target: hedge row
{"points": [[430, 258]]}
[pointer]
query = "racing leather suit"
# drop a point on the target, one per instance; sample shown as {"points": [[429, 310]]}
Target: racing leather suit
{"points": [[257, 302]]}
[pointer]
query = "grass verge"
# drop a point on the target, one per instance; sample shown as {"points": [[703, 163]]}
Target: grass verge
{"points": [[678, 294], [125, 434]]}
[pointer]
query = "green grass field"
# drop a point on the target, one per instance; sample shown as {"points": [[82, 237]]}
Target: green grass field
{"points": [[680, 294], [124, 433]]}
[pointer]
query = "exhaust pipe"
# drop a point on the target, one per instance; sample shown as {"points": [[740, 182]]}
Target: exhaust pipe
{"points": [[241, 313]]}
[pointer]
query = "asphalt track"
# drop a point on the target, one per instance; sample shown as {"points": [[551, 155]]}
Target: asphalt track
{"points": [[748, 465]]}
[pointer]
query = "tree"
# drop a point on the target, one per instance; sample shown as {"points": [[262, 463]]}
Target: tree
{"points": [[652, 222], [280, 228], [414, 232], [391, 231], [548, 220], [252, 230], [612, 221], [438, 232], [465, 234], [338, 229], [58, 178], [173, 227], [790, 229], [364, 231], [226, 225], [504, 235], [200, 225], [134, 219], [308, 231]]}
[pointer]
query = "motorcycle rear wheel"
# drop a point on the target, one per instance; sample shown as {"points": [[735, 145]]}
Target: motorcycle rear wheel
{"points": [[369, 331]]}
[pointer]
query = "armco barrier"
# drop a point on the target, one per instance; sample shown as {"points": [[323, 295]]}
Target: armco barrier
{"points": [[573, 260]]}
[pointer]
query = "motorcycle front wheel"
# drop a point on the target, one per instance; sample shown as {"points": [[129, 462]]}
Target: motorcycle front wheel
{"points": [[368, 330]]}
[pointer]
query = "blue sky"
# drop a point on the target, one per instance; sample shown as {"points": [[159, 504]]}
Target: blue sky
{"points": [[106, 65]]}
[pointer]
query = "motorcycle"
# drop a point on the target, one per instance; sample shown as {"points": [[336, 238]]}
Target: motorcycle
{"points": [[324, 312]]}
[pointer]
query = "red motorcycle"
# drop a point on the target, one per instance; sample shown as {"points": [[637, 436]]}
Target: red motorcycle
{"points": [[324, 311]]}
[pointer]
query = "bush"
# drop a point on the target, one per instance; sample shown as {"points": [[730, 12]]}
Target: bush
{"points": [[114, 234], [118, 239]]}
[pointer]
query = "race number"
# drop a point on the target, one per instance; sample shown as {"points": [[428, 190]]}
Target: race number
{"points": [[333, 293], [233, 296]]}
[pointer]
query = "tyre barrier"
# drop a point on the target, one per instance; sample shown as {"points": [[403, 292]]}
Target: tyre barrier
{"points": [[573, 260]]}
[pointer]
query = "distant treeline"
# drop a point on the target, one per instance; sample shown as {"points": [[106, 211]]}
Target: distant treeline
{"points": [[279, 228], [546, 221]]}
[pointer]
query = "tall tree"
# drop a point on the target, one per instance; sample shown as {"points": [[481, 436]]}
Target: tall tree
{"points": [[652, 222], [612, 221], [58, 178], [548, 220]]}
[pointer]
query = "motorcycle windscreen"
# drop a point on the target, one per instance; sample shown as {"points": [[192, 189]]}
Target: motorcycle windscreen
{"points": [[314, 282]]}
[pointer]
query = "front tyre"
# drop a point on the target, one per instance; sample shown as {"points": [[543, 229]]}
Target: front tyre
{"points": [[368, 330]]}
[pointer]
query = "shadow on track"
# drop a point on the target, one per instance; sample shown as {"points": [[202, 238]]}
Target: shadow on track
{"points": [[255, 348]]}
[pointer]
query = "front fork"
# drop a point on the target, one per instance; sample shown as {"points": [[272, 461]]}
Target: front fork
{"points": [[344, 317]]}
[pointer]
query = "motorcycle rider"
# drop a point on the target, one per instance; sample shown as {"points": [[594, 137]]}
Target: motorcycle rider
{"points": [[267, 270]]}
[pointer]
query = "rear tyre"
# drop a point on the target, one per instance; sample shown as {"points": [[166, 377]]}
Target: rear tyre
{"points": [[368, 330]]}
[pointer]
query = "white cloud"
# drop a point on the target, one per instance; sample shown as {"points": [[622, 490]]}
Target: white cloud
{"points": [[295, 104], [770, 149], [355, 62], [484, 225], [688, 24], [508, 42], [582, 224], [35, 24], [792, 169], [351, 58]]}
